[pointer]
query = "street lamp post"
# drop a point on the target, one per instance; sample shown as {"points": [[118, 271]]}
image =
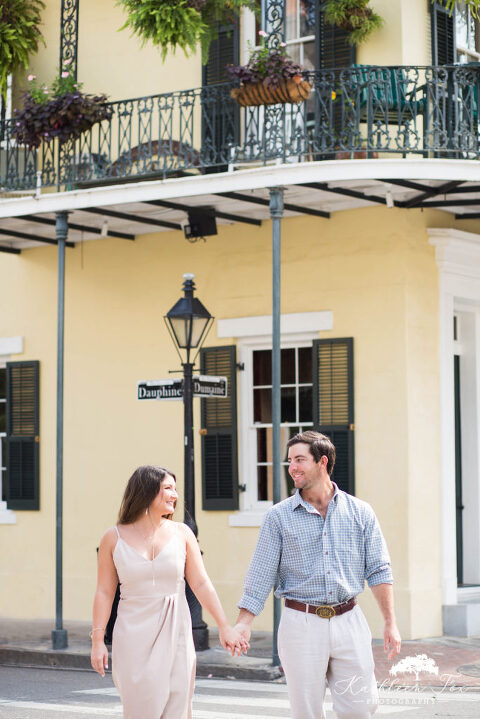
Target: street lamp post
{"points": [[188, 323]]}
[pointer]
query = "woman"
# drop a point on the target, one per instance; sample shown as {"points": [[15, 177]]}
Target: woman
{"points": [[153, 655]]}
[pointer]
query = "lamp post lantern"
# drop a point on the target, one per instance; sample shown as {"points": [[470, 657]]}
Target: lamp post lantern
{"points": [[188, 323]]}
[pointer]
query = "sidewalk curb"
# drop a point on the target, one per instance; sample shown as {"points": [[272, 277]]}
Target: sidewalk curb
{"points": [[247, 668]]}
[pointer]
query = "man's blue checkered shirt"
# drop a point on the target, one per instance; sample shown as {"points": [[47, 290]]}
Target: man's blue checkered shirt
{"points": [[316, 560]]}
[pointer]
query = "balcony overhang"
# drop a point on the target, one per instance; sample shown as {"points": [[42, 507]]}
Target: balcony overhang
{"points": [[315, 188]]}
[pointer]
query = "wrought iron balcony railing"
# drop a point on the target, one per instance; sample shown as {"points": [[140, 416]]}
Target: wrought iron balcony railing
{"points": [[361, 111]]}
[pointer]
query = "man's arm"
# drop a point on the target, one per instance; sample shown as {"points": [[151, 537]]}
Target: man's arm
{"points": [[392, 641], [261, 575]]}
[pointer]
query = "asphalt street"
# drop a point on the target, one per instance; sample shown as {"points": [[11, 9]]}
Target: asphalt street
{"points": [[48, 693]]}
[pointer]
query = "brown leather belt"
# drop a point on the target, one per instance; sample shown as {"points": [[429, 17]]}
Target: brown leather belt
{"points": [[326, 611]]}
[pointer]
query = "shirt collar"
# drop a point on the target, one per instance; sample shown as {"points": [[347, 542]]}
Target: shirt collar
{"points": [[298, 500]]}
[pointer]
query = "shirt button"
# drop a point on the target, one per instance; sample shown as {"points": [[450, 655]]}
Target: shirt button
{"points": [[328, 573], [326, 552], [330, 592], [324, 534]]}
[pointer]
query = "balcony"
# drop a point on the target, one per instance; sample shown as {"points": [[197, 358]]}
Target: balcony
{"points": [[355, 112]]}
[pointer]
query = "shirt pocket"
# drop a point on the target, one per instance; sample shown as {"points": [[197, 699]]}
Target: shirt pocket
{"points": [[301, 552]]}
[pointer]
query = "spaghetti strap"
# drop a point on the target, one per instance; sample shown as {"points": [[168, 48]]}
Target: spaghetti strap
{"points": [[118, 533]]}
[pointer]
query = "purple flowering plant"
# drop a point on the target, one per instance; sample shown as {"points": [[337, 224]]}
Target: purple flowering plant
{"points": [[62, 111], [266, 65]]}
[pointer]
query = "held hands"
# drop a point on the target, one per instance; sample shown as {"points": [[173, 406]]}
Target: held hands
{"points": [[392, 641], [233, 641], [99, 657]]}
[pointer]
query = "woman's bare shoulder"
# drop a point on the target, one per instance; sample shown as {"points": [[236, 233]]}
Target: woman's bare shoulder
{"points": [[109, 538], [183, 529], [185, 533]]}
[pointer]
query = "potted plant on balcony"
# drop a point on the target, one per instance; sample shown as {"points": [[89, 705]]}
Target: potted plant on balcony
{"points": [[353, 16], [269, 77], [62, 112], [169, 24], [20, 35]]}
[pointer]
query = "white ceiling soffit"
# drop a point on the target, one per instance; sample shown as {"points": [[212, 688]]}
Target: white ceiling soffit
{"points": [[98, 209]]}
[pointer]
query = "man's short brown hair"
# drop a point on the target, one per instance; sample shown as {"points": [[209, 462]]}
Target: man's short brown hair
{"points": [[319, 445]]}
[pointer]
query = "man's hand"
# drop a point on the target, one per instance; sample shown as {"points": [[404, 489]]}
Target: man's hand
{"points": [[392, 641], [244, 629]]}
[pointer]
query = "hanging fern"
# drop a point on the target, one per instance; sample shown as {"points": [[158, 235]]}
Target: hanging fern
{"points": [[169, 24], [20, 36], [353, 16]]}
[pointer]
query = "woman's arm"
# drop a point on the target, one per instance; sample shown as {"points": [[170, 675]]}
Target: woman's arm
{"points": [[102, 604], [202, 587]]}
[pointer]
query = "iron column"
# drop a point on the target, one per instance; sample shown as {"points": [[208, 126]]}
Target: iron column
{"points": [[276, 212], [59, 635]]}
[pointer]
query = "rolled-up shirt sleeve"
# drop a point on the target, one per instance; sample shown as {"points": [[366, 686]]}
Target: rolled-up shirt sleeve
{"points": [[377, 559], [262, 572]]}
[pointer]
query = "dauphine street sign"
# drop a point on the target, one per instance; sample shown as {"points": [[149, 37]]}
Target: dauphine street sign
{"points": [[203, 386]]}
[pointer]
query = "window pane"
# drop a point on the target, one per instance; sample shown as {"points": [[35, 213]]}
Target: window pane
{"points": [[307, 17], [264, 483], [262, 367], [4, 485], [262, 405], [288, 366], [3, 382], [3, 445], [471, 32], [461, 25], [309, 55], [305, 365], [3, 413], [288, 412], [262, 445], [291, 19], [305, 402], [293, 52]]}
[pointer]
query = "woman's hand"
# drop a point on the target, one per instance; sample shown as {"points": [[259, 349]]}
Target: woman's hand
{"points": [[99, 657], [233, 641]]}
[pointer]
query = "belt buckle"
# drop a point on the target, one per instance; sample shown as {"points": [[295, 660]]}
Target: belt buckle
{"points": [[325, 611]]}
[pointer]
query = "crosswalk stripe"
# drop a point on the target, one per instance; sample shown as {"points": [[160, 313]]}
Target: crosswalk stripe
{"points": [[241, 701], [214, 714], [115, 711], [242, 686]]}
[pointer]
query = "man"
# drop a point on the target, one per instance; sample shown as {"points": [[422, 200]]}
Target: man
{"points": [[317, 548]]}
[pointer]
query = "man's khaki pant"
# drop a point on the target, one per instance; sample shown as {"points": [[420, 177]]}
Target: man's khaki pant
{"points": [[314, 651]]}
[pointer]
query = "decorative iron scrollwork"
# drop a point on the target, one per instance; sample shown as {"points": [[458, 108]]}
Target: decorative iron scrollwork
{"points": [[69, 36]]}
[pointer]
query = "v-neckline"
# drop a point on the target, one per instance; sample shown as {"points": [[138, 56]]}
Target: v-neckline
{"points": [[141, 555]]}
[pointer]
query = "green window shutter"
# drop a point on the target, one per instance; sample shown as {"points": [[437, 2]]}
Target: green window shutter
{"points": [[332, 47], [220, 115], [443, 35], [23, 435], [333, 403], [219, 436]]}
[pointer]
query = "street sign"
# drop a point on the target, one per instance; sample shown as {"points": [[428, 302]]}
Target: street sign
{"points": [[160, 389], [203, 386], [209, 386]]}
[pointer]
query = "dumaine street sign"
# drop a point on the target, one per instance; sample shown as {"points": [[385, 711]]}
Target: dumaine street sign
{"points": [[203, 386]]}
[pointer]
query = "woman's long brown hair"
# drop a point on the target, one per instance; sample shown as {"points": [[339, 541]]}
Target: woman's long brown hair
{"points": [[142, 488]]}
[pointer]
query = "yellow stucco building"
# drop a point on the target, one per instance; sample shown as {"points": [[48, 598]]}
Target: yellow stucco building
{"points": [[380, 299]]}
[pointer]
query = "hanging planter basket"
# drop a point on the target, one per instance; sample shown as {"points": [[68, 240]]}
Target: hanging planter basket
{"points": [[257, 93]]}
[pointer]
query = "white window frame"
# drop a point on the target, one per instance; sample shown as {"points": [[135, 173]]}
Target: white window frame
{"points": [[466, 54], [457, 254], [299, 40], [254, 333]]}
